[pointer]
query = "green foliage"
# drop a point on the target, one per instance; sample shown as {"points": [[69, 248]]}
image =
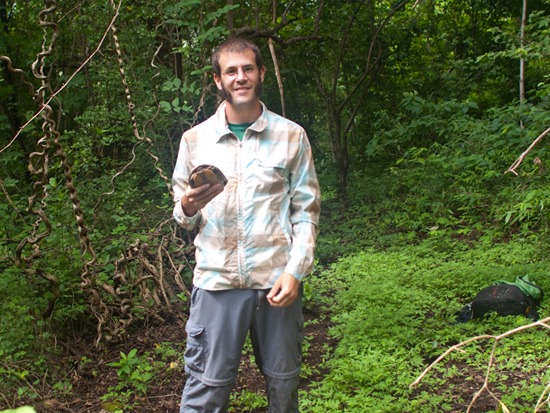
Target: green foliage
{"points": [[247, 401], [534, 49], [136, 373], [436, 126], [133, 372], [460, 160], [394, 313]]}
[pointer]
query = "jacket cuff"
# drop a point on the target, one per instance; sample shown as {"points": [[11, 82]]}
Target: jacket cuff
{"points": [[189, 223]]}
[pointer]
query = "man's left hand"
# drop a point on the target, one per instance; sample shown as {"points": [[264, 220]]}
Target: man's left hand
{"points": [[285, 291]]}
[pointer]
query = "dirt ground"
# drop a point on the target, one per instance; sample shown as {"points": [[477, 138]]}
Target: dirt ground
{"points": [[91, 377]]}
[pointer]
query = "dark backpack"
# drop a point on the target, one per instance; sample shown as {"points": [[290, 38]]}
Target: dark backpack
{"points": [[521, 297]]}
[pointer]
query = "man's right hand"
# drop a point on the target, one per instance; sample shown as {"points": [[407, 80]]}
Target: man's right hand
{"points": [[195, 199]]}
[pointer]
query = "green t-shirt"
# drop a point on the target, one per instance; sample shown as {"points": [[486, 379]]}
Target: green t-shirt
{"points": [[239, 129]]}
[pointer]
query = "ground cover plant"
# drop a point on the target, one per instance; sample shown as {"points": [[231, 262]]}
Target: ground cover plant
{"points": [[395, 311], [392, 313]]}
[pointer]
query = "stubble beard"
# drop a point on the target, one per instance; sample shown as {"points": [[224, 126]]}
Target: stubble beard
{"points": [[225, 95]]}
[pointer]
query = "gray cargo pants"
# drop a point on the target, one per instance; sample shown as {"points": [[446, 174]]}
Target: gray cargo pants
{"points": [[217, 328]]}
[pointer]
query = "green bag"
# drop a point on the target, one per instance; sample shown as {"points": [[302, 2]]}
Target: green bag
{"points": [[527, 287]]}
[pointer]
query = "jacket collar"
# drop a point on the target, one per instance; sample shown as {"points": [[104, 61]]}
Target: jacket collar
{"points": [[222, 128]]}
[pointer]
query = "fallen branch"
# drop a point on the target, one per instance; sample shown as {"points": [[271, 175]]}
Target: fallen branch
{"points": [[541, 402], [485, 386], [524, 154]]}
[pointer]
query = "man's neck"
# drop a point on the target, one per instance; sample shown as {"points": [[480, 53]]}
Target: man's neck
{"points": [[243, 114]]}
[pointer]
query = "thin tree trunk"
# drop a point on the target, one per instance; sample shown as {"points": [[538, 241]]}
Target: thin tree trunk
{"points": [[276, 64], [522, 58], [229, 18]]}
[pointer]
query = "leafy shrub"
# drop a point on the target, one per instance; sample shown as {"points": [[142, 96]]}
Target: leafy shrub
{"points": [[449, 173]]}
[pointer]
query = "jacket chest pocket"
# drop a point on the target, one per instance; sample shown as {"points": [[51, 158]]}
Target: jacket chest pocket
{"points": [[270, 171], [268, 178]]}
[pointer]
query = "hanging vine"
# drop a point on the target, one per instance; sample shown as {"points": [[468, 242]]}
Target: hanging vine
{"points": [[38, 166], [145, 273]]}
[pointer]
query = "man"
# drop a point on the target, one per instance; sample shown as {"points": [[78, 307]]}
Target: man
{"points": [[255, 242]]}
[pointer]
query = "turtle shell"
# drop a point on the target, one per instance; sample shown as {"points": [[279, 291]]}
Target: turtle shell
{"points": [[206, 174]]}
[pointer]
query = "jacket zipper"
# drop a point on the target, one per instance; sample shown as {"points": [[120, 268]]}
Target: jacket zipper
{"points": [[240, 224]]}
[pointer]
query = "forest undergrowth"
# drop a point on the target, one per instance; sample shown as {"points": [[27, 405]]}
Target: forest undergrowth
{"points": [[376, 318], [412, 242]]}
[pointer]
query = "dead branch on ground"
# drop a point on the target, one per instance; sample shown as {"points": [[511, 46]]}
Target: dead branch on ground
{"points": [[544, 398]]}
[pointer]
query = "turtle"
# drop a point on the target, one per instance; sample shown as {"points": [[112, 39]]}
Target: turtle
{"points": [[206, 174]]}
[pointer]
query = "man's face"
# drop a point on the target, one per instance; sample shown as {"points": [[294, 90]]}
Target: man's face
{"points": [[240, 82]]}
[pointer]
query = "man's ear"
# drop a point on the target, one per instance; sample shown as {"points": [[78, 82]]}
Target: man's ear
{"points": [[262, 73], [218, 81]]}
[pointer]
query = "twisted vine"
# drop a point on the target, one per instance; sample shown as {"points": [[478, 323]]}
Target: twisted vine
{"points": [[39, 167], [148, 269]]}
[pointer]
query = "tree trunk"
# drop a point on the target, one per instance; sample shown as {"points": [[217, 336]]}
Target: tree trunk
{"points": [[522, 58], [275, 62], [229, 21], [339, 150]]}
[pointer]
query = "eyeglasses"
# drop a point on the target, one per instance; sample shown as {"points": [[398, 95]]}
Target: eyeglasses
{"points": [[234, 71]]}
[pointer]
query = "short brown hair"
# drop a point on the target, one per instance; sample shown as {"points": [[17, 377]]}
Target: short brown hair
{"points": [[235, 45]]}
